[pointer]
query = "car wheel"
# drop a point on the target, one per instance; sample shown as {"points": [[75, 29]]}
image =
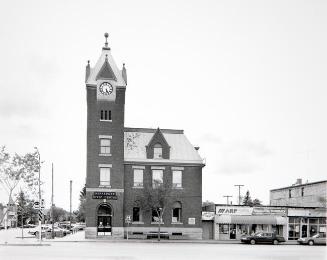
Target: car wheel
{"points": [[252, 241], [310, 243], [275, 242]]}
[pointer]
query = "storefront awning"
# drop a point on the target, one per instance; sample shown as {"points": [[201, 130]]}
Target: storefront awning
{"points": [[264, 220]]}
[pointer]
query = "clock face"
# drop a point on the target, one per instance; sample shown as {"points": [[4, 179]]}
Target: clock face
{"points": [[106, 88]]}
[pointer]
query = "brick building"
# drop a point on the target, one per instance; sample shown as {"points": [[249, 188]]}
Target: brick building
{"points": [[306, 208], [310, 194], [122, 162]]}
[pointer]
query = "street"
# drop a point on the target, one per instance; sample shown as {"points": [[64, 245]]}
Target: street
{"points": [[143, 251]]}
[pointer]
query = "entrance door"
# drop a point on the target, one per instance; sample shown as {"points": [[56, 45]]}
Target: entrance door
{"points": [[104, 225], [232, 231]]}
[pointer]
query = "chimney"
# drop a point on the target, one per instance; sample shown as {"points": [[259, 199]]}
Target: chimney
{"points": [[298, 181], [87, 71], [124, 73]]}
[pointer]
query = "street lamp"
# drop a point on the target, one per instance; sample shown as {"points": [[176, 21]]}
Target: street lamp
{"points": [[39, 169]]}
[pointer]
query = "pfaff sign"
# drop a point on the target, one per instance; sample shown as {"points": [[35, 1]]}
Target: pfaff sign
{"points": [[104, 195], [234, 211]]}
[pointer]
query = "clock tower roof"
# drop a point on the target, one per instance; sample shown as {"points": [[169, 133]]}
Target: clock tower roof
{"points": [[106, 68]]}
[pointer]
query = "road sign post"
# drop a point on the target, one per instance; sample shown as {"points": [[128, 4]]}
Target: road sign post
{"points": [[128, 220]]}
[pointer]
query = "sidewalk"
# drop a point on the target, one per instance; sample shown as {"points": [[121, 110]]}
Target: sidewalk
{"points": [[80, 237], [13, 237]]}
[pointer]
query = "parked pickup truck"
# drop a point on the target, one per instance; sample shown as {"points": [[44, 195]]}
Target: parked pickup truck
{"points": [[264, 238]]}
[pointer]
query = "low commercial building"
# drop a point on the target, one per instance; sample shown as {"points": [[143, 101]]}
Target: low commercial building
{"points": [[231, 222]]}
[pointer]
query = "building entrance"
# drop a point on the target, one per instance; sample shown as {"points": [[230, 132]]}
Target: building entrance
{"points": [[104, 227]]}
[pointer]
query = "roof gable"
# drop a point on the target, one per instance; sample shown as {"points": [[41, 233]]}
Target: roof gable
{"points": [[106, 71]]}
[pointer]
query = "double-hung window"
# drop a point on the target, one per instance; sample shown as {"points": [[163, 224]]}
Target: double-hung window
{"points": [[104, 176], [138, 178], [157, 151], [177, 179], [157, 178], [105, 146]]}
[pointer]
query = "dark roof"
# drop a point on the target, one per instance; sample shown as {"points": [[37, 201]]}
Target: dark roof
{"points": [[299, 185]]}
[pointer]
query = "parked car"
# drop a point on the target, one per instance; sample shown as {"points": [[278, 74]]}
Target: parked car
{"points": [[35, 231], [318, 239], [263, 237]]}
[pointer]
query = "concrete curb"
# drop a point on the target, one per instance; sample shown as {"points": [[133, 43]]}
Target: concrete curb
{"points": [[13, 244]]}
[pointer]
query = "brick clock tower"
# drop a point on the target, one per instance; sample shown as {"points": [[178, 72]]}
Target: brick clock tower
{"points": [[105, 87]]}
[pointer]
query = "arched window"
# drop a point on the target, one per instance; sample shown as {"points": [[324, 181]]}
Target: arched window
{"points": [[176, 212], [157, 151]]}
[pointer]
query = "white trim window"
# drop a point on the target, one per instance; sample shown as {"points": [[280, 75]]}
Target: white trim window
{"points": [[138, 178], [157, 151], [177, 179], [157, 177], [105, 176], [105, 144]]}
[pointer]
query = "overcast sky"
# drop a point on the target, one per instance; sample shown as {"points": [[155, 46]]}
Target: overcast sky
{"points": [[246, 80]]}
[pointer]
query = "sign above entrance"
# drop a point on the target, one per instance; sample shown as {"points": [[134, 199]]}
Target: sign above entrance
{"points": [[245, 211], [104, 195]]}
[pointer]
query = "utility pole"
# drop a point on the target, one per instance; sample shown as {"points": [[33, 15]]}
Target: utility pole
{"points": [[239, 192], [52, 220], [70, 208], [227, 196], [40, 201]]}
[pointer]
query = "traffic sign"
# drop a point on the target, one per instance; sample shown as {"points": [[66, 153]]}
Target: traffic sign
{"points": [[128, 219], [40, 215]]}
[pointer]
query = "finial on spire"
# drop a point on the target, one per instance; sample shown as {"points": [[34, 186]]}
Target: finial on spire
{"points": [[106, 56], [106, 35], [88, 62]]}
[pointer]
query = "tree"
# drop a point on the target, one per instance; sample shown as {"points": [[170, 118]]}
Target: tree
{"points": [[257, 202], [247, 199], [80, 214], [59, 214], [208, 206], [154, 200], [18, 170], [25, 210]]}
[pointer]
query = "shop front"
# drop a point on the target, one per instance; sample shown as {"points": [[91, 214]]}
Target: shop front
{"points": [[306, 222], [231, 223]]}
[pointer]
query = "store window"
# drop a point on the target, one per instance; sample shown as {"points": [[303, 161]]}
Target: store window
{"points": [[293, 228], [223, 228]]}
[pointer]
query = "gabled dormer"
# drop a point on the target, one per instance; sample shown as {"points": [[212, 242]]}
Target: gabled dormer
{"points": [[158, 148]]}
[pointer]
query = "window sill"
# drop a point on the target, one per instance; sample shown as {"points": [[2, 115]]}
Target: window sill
{"points": [[104, 154], [137, 187], [177, 223], [102, 120], [138, 223], [156, 223], [104, 186], [177, 188]]}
